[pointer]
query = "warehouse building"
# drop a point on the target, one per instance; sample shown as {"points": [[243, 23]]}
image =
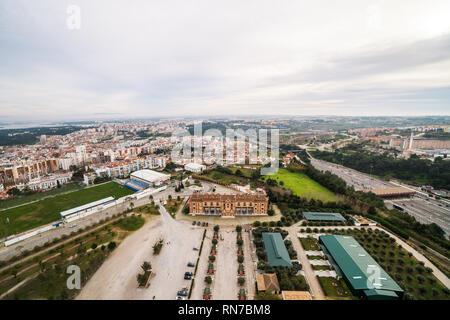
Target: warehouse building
{"points": [[361, 272], [277, 254], [324, 216]]}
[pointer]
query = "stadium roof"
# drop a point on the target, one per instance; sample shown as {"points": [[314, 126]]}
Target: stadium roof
{"points": [[86, 206], [150, 175], [358, 266], [277, 254], [323, 216]]}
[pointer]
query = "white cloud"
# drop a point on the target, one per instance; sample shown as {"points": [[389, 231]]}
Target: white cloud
{"points": [[150, 58]]}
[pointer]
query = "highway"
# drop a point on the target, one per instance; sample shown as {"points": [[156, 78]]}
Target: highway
{"points": [[425, 211], [359, 180]]}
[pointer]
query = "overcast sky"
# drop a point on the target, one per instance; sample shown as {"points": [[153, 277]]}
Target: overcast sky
{"points": [[172, 58]]}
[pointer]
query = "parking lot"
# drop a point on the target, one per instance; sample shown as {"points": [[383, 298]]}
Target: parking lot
{"points": [[225, 278], [116, 278]]}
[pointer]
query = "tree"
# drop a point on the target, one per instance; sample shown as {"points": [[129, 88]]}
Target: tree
{"points": [[146, 266], [216, 228], [112, 245], [208, 279], [238, 228], [241, 281]]}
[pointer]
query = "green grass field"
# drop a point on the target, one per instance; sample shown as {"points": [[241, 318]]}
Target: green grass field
{"points": [[35, 214], [17, 201], [302, 185]]}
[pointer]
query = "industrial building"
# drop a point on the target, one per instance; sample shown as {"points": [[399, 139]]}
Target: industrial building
{"points": [[277, 254], [324, 216], [361, 272], [143, 179]]}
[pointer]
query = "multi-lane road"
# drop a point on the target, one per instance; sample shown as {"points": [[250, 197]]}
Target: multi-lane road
{"points": [[359, 180], [424, 209]]}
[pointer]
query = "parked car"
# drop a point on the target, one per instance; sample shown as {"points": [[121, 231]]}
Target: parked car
{"points": [[193, 223], [183, 292], [180, 298], [186, 277], [198, 223], [188, 274], [203, 224], [195, 249], [191, 264]]}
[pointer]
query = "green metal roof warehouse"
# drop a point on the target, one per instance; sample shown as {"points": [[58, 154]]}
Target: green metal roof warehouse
{"points": [[361, 272], [277, 254], [323, 216]]}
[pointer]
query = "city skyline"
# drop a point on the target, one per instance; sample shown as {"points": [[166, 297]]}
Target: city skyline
{"points": [[368, 58]]}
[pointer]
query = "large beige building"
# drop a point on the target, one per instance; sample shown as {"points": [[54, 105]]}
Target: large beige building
{"points": [[228, 205]]}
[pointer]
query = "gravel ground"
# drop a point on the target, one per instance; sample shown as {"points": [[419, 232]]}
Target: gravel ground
{"points": [[116, 278], [225, 282]]}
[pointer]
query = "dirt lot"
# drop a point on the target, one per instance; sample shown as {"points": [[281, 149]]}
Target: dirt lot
{"points": [[250, 266], [199, 284], [116, 278], [225, 282]]}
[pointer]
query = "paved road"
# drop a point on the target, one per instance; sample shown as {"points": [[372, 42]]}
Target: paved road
{"points": [[8, 252], [314, 285], [359, 180], [431, 211], [420, 257]]}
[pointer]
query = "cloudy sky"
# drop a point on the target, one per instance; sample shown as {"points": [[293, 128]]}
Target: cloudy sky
{"points": [[172, 58]]}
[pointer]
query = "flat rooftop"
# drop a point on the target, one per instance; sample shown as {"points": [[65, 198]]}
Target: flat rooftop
{"points": [[86, 206], [323, 216], [150, 175], [392, 191]]}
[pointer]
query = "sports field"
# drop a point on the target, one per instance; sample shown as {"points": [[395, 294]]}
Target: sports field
{"points": [[302, 185], [35, 214]]}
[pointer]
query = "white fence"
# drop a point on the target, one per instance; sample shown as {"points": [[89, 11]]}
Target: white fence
{"points": [[28, 234]]}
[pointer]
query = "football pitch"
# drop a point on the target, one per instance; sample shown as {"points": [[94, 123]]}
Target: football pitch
{"points": [[32, 215]]}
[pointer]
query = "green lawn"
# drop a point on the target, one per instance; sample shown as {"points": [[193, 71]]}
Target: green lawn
{"points": [[302, 185], [131, 223], [335, 288], [35, 214], [310, 244], [17, 201]]}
